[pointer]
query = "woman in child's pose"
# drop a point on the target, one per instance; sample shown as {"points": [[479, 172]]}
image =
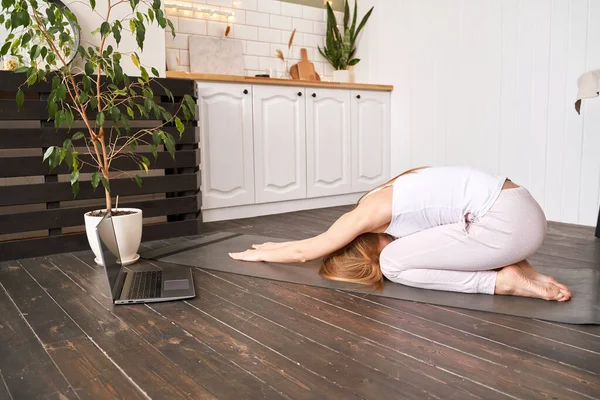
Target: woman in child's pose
{"points": [[447, 228]]}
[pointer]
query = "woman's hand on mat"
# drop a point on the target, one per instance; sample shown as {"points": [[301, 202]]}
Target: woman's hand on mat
{"points": [[248, 255], [269, 245]]}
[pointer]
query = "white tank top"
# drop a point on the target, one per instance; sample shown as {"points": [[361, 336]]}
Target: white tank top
{"points": [[439, 196]]}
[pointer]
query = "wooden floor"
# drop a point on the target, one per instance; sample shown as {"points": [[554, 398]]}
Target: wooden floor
{"points": [[242, 337]]}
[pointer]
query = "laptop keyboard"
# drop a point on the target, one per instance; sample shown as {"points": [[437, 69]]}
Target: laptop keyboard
{"points": [[145, 285]]}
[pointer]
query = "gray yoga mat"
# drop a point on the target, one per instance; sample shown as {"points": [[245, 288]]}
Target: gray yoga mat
{"points": [[211, 252]]}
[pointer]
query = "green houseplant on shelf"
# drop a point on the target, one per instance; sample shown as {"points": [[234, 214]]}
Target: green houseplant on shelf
{"points": [[44, 37], [340, 46]]}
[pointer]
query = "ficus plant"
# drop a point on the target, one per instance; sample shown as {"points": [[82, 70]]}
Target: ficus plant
{"points": [[98, 92], [339, 49]]}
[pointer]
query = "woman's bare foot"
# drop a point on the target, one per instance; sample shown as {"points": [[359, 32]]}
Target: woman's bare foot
{"points": [[531, 273], [512, 281]]}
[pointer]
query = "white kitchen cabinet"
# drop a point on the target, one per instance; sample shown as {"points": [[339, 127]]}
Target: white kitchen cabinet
{"points": [[226, 144], [370, 139], [279, 143], [328, 142]]}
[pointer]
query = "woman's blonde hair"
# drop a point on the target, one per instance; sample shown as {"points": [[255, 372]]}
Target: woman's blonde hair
{"points": [[358, 261]]}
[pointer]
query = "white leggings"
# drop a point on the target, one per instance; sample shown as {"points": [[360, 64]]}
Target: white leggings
{"points": [[462, 257]]}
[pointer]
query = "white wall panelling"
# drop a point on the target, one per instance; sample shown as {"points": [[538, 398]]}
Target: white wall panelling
{"points": [[491, 83]]}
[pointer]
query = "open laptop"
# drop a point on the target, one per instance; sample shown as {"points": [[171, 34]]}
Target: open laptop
{"points": [[148, 282]]}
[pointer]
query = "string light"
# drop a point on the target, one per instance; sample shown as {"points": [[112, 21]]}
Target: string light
{"points": [[190, 9]]}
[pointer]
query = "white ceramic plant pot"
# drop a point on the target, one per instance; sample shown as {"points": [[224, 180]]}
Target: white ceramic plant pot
{"points": [[341, 75], [128, 231]]}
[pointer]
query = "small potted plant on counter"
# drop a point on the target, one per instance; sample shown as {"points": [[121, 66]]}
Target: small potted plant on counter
{"points": [[44, 36], [339, 48]]}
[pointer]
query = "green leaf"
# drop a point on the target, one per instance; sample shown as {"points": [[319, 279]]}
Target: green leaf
{"points": [[5, 48], [89, 69], [130, 112], [48, 153], [116, 30], [74, 176], [354, 61], [104, 28], [169, 95], [67, 144], [93, 4], [179, 125], [154, 72], [171, 27], [87, 83], [170, 144], [191, 103], [20, 97], [75, 188], [156, 138], [95, 179], [346, 13], [105, 184], [100, 119], [20, 70], [151, 15], [138, 180], [77, 136], [154, 151], [145, 75], [25, 39]]}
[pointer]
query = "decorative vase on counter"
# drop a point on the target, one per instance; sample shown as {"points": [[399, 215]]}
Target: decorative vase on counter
{"points": [[341, 75]]}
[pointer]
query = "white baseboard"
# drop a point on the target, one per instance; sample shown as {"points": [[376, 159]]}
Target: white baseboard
{"points": [[256, 210]]}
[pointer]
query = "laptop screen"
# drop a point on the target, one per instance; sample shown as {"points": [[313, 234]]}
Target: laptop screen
{"points": [[110, 250]]}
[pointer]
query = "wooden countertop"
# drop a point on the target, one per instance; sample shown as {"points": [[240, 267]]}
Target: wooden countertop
{"points": [[273, 81]]}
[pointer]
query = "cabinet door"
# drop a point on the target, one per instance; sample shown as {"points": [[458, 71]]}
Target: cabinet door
{"points": [[370, 139], [279, 143], [328, 142], [227, 165]]}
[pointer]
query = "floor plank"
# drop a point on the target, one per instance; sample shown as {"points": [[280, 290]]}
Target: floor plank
{"points": [[87, 369], [436, 383], [287, 376], [453, 351], [150, 370], [27, 369], [200, 361]]}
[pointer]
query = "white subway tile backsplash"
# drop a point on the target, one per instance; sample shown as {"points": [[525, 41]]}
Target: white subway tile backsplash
{"points": [[270, 62], [258, 48], [239, 17], [314, 13], [280, 22], [216, 28], [319, 57], [303, 25], [245, 32], [245, 4], [269, 35], [179, 42], [262, 26], [269, 6], [298, 37], [291, 10], [313, 40], [184, 57], [258, 19], [251, 62], [192, 26], [320, 28]]}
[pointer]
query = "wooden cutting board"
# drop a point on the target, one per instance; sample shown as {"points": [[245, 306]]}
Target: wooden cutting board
{"points": [[304, 70]]}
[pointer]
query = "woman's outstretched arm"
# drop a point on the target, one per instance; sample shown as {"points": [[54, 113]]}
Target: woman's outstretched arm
{"points": [[364, 218]]}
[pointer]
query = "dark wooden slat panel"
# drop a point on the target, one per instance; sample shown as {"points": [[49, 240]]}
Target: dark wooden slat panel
{"points": [[26, 367], [66, 243], [10, 82], [65, 217], [61, 191], [203, 363], [33, 165], [451, 350], [25, 138], [410, 376], [36, 110], [149, 369], [84, 366]]}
